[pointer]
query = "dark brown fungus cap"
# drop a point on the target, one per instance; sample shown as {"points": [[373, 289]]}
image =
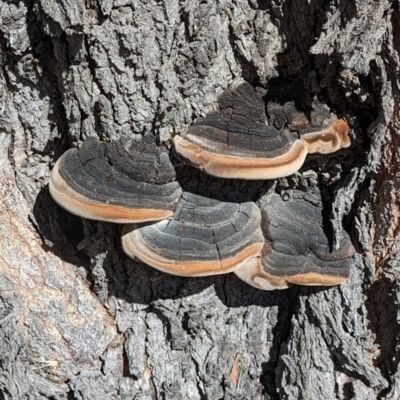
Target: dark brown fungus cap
{"points": [[211, 232], [122, 181], [297, 249], [235, 140]]}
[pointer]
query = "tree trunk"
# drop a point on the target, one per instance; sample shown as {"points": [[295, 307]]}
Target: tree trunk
{"points": [[78, 318]]}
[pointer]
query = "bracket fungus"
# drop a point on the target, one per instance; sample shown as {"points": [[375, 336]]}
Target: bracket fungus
{"points": [[123, 181], [210, 233], [297, 248], [235, 140]]}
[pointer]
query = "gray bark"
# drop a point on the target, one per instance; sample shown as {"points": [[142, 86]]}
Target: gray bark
{"points": [[79, 319]]}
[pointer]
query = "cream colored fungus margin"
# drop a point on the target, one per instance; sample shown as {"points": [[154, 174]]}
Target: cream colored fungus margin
{"points": [[77, 204]]}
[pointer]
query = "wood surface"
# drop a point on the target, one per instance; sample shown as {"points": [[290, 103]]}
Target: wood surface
{"points": [[78, 318]]}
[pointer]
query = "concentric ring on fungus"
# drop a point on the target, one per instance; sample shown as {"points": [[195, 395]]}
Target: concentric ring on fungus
{"points": [[210, 233], [235, 141], [297, 248], [122, 181]]}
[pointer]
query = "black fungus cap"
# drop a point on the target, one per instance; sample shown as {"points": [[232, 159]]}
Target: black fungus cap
{"points": [[211, 232], [122, 181]]}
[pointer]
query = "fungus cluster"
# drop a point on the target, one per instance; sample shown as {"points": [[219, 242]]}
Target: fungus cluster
{"points": [[210, 232]]}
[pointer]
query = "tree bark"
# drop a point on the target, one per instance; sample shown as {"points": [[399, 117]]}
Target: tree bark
{"points": [[78, 318]]}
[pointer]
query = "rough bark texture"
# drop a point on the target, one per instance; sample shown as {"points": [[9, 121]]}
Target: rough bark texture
{"points": [[79, 319]]}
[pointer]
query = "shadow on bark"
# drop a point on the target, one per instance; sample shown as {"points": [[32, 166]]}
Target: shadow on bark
{"points": [[60, 231]]}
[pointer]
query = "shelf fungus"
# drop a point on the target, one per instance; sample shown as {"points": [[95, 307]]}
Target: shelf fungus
{"points": [[123, 181], [298, 249], [236, 141], [211, 233]]}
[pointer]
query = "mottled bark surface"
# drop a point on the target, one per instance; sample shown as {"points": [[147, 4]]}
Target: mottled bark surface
{"points": [[79, 319]]}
